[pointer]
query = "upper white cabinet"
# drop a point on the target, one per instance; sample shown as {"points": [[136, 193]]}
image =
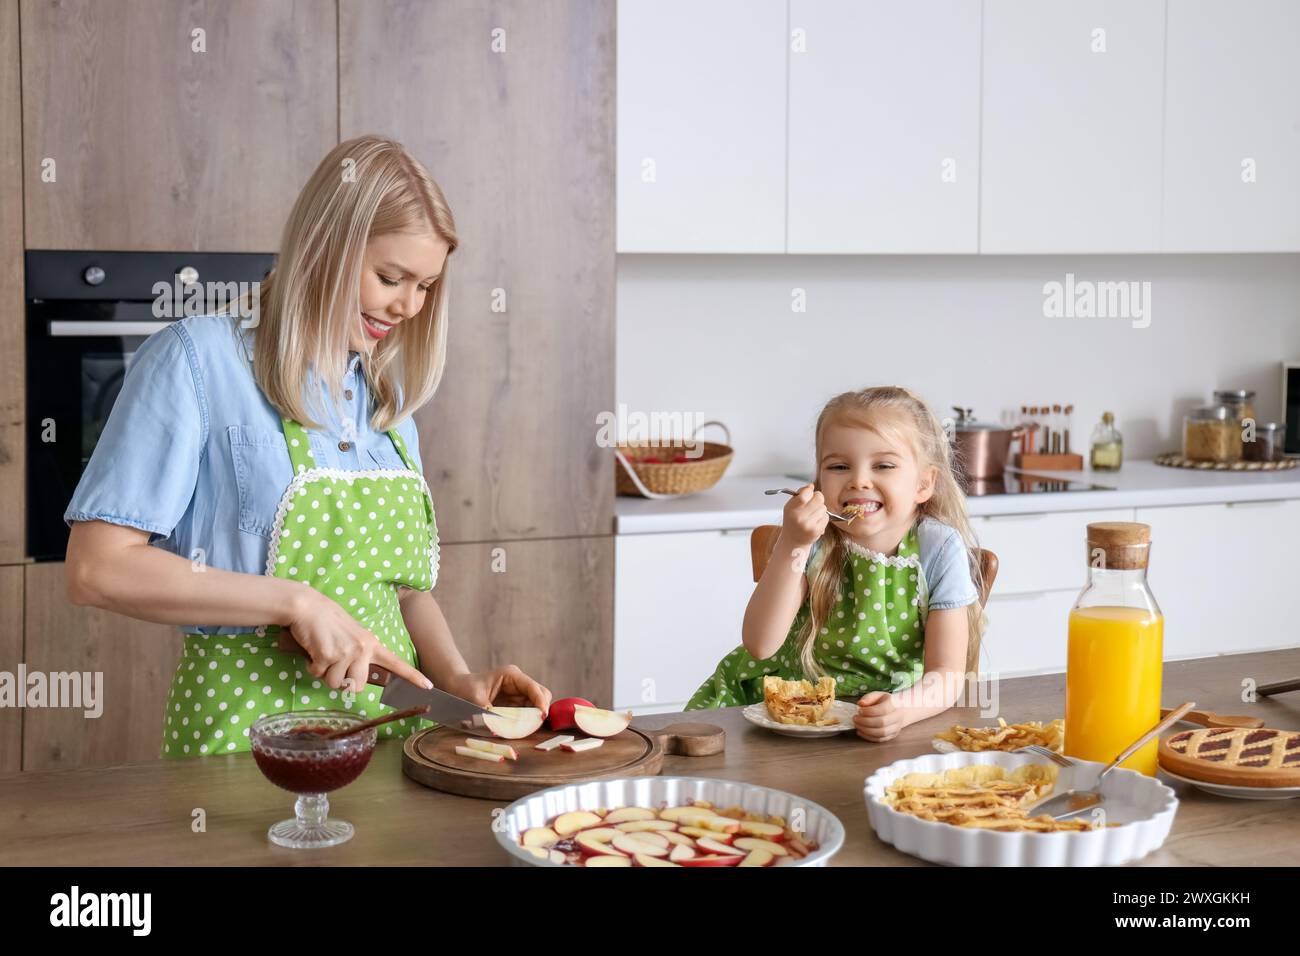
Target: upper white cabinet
{"points": [[1232, 127], [1071, 133], [884, 126], [701, 125]]}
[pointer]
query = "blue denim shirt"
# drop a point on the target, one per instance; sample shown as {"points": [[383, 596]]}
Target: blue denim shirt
{"points": [[194, 453]]}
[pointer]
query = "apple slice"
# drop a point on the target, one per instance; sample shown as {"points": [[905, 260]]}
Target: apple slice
{"points": [[712, 860], [487, 746], [596, 842], [480, 755], [578, 746], [754, 843], [635, 826], [538, 851], [759, 858], [618, 860], [552, 742], [719, 824], [680, 853], [626, 814], [633, 845], [798, 847], [513, 723], [645, 859], [560, 716], [767, 831], [600, 723], [650, 839], [680, 839], [558, 857], [698, 833], [573, 821], [713, 846], [686, 815], [540, 836]]}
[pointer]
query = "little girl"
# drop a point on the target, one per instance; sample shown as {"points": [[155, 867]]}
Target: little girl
{"points": [[888, 603]]}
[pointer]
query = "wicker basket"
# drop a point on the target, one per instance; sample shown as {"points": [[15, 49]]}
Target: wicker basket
{"points": [[667, 478]]}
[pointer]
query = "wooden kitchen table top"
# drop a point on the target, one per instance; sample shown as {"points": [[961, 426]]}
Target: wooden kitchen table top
{"points": [[144, 814]]}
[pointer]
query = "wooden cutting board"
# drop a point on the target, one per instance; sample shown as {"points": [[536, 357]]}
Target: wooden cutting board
{"points": [[429, 758]]}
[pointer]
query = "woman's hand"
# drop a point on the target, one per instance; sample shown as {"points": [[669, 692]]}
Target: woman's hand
{"points": [[340, 649], [804, 517], [508, 686], [878, 718]]}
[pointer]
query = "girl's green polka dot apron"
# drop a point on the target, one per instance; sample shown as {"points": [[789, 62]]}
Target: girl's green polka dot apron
{"points": [[874, 639], [355, 536]]}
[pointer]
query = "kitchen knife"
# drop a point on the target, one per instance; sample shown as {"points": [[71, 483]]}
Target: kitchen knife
{"points": [[447, 709]]}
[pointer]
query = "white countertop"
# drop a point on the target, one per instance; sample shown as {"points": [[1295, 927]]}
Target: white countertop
{"points": [[740, 503]]}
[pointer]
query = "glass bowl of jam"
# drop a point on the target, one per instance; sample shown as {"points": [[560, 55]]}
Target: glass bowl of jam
{"points": [[292, 753]]}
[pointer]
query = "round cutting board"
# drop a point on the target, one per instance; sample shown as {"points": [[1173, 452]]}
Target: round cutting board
{"points": [[429, 757]]}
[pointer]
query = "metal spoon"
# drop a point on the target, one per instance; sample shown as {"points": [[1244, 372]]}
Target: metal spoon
{"points": [[792, 493], [1073, 802]]}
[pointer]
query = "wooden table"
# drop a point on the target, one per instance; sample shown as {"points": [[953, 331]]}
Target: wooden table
{"points": [[148, 814]]}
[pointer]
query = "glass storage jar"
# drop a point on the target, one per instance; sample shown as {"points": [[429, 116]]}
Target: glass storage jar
{"points": [[1212, 433]]}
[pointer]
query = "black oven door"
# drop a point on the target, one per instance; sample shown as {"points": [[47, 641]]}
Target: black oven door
{"points": [[78, 355]]}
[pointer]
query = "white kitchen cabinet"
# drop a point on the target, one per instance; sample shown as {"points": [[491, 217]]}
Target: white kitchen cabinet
{"points": [[1028, 633], [884, 126], [1072, 98], [1232, 127], [1041, 552], [1224, 576], [679, 602], [701, 126]]}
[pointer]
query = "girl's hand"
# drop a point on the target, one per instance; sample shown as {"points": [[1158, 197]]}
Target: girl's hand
{"points": [[804, 517], [878, 718], [508, 686], [339, 648]]}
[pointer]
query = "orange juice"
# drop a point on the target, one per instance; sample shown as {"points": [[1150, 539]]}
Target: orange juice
{"points": [[1112, 688]]}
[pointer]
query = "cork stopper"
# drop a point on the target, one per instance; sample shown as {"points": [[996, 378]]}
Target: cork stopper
{"points": [[1120, 545]]}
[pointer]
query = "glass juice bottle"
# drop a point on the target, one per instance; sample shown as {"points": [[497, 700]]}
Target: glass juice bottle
{"points": [[1112, 680]]}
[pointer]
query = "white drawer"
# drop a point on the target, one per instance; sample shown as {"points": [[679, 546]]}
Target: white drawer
{"points": [[1041, 552], [1027, 633]]}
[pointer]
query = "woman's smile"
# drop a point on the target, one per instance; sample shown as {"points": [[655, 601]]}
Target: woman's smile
{"points": [[376, 328]]}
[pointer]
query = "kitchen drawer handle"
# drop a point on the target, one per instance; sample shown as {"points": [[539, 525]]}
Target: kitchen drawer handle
{"points": [[1032, 516], [67, 329], [1018, 596], [1257, 504]]}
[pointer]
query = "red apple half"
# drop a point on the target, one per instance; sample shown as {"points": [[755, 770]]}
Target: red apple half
{"points": [[560, 716]]}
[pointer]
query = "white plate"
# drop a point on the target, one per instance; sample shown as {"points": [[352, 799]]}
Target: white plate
{"points": [[843, 709], [537, 809], [1144, 808], [1236, 792]]}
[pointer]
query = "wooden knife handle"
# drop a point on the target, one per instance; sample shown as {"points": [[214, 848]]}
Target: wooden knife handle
{"points": [[1208, 718]]}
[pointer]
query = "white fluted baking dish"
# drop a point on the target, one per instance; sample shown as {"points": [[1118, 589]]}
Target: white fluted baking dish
{"points": [[537, 809], [1144, 806]]}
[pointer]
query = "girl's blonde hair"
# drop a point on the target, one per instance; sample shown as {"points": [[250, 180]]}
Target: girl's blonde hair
{"points": [[309, 303], [901, 412]]}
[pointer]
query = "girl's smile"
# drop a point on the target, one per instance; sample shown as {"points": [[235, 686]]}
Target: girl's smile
{"points": [[399, 272]]}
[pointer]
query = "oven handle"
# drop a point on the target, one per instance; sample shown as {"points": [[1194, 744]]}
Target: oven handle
{"points": [[69, 329]]}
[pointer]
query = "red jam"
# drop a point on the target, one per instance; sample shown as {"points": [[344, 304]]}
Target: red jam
{"points": [[311, 770]]}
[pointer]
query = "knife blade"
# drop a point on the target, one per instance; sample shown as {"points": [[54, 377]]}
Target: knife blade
{"points": [[447, 709]]}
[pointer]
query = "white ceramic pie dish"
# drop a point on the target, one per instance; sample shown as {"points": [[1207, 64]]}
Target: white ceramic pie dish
{"points": [[536, 809], [1144, 806]]}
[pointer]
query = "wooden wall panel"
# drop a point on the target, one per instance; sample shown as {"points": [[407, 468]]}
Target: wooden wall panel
{"points": [[11, 654], [137, 659], [158, 147], [522, 143], [13, 506]]}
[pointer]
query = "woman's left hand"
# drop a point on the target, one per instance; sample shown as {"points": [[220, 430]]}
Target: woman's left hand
{"points": [[878, 718], [508, 686]]}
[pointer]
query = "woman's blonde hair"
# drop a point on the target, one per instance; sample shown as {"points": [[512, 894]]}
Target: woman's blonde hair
{"points": [[309, 303], [898, 411]]}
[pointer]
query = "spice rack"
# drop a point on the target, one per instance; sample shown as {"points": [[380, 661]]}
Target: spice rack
{"points": [[1045, 442]]}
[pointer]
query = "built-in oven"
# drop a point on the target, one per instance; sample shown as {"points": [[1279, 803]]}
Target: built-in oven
{"points": [[87, 314]]}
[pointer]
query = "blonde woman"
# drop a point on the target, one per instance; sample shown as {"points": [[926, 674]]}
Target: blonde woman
{"points": [[887, 603], [259, 484]]}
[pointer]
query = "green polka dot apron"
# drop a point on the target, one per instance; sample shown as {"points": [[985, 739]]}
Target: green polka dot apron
{"points": [[355, 536], [874, 639]]}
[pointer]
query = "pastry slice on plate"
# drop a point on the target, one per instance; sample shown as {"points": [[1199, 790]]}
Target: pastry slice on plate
{"points": [[799, 701]]}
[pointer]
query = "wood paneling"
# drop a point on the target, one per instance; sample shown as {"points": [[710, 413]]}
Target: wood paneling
{"points": [[136, 658], [12, 355], [522, 144], [550, 611], [11, 654], [160, 147]]}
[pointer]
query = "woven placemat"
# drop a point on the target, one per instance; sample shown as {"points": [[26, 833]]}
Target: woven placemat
{"points": [[1175, 460]]}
